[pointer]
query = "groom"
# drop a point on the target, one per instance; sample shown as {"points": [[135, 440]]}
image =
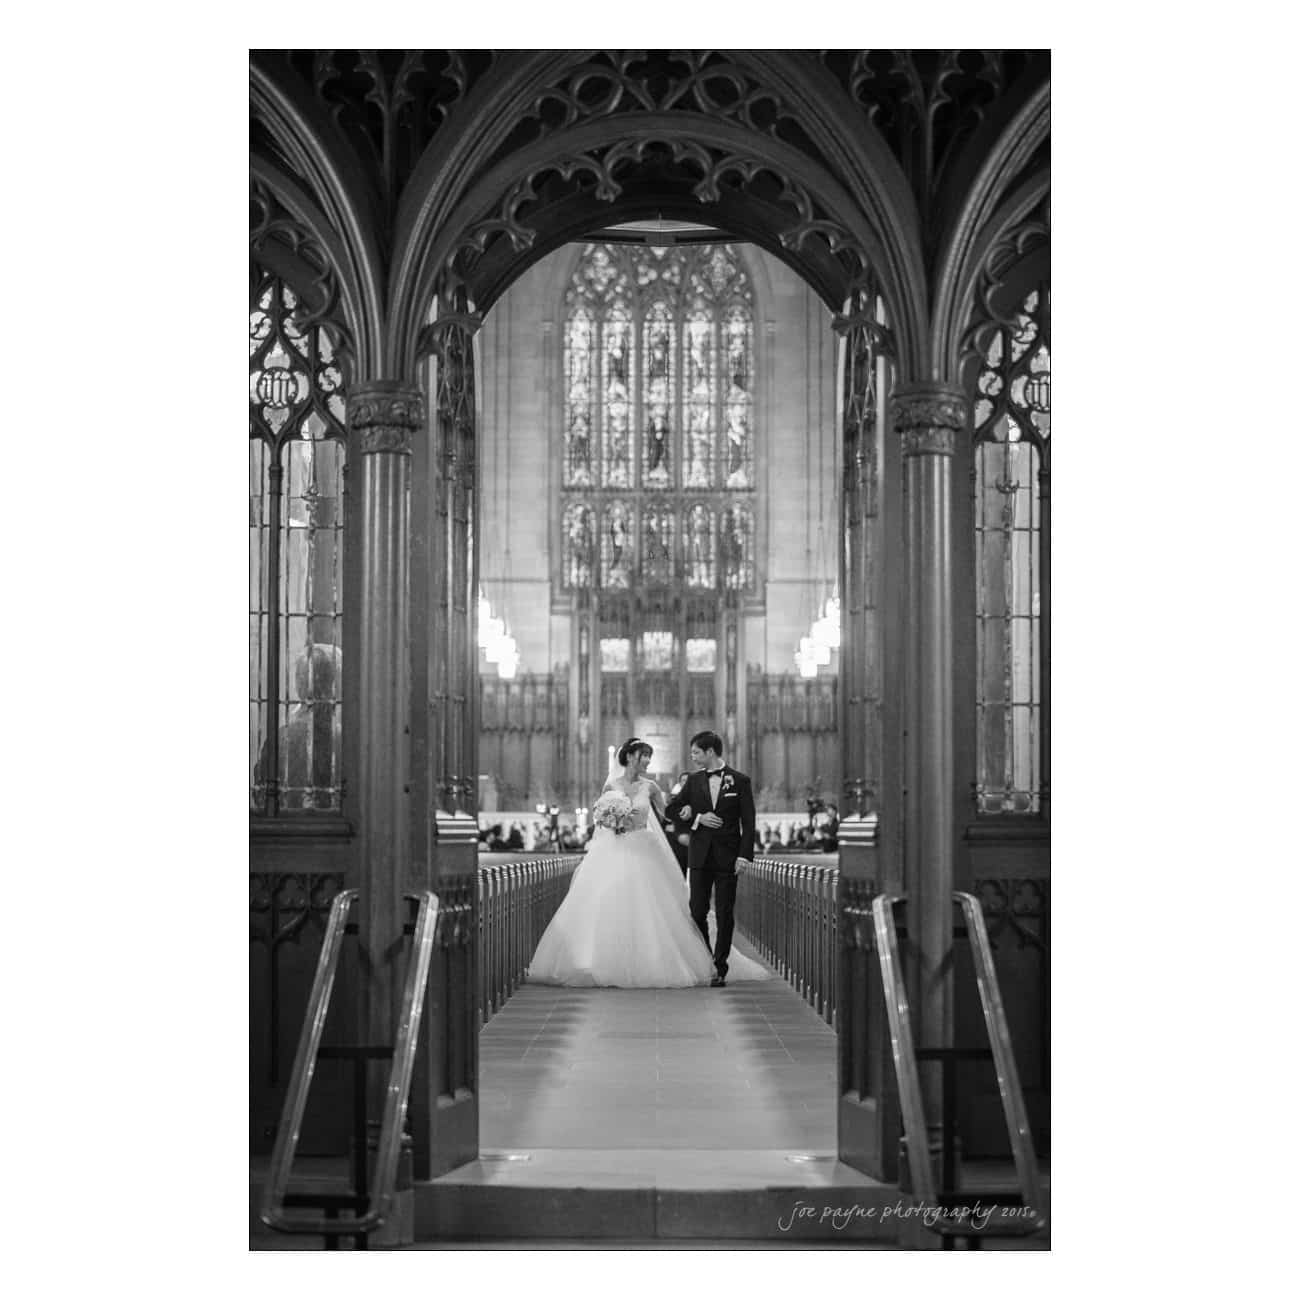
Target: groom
{"points": [[717, 802]]}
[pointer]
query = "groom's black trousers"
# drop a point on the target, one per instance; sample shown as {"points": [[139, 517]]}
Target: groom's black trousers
{"points": [[708, 880]]}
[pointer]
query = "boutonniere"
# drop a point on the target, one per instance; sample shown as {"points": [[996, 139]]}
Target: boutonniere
{"points": [[727, 782]]}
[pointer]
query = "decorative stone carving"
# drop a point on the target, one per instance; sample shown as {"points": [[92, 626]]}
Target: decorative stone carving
{"points": [[272, 225], [382, 416], [432, 335], [933, 441], [641, 81], [929, 417], [1025, 238], [928, 104], [606, 169], [390, 104]]}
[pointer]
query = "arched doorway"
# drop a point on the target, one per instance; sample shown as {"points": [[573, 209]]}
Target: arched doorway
{"points": [[864, 342]]}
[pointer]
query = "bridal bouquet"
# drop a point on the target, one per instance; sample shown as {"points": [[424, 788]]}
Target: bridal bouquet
{"points": [[613, 811]]}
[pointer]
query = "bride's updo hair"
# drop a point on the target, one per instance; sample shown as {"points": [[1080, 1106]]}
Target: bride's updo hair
{"points": [[633, 745]]}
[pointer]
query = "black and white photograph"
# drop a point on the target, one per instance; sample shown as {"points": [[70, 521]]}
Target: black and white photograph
{"points": [[721, 809], [649, 662]]}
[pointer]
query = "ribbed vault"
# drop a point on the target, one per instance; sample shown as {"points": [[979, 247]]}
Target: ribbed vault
{"points": [[424, 175]]}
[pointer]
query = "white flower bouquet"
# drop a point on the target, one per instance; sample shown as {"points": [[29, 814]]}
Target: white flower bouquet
{"points": [[613, 811]]}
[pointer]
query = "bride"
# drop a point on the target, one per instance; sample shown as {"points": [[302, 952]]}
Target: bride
{"points": [[625, 922]]}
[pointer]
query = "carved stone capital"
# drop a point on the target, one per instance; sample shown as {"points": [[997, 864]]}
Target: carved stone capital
{"points": [[928, 418], [384, 415]]}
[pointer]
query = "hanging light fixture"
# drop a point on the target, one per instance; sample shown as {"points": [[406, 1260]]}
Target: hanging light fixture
{"points": [[826, 630], [508, 664], [824, 635], [833, 622], [498, 646], [805, 659]]}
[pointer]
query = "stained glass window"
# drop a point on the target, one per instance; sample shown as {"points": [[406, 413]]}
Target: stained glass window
{"points": [[738, 349], [736, 547], [701, 654], [579, 545], [297, 451], [579, 398], [615, 654], [616, 545], [658, 478], [657, 651], [1012, 432], [697, 446], [659, 395], [699, 547], [658, 536], [616, 371]]}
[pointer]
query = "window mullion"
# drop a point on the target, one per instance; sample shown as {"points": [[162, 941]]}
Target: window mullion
{"points": [[598, 383], [676, 445], [1044, 630], [637, 449], [272, 768], [1008, 622], [718, 486], [292, 390]]}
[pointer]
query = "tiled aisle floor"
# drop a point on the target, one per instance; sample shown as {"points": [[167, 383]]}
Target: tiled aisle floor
{"points": [[748, 1067]]}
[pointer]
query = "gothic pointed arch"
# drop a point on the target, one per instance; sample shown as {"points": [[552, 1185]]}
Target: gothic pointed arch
{"points": [[298, 446], [303, 163], [589, 129], [1011, 477], [1009, 191], [1024, 83], [289, 237]]}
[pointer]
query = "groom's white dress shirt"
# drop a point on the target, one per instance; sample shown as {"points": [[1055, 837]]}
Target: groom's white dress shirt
{"points": [[715, 788]]}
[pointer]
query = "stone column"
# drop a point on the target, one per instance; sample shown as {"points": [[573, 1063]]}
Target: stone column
{"points": [[928, 419], [870, 688], [383, 416], [444, 1105]]}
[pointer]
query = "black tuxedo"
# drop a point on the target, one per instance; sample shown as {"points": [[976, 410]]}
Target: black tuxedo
{"points": [[712, 854]]}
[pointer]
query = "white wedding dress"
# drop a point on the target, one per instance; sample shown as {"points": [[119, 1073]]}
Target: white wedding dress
{"points": [[625, 922]]}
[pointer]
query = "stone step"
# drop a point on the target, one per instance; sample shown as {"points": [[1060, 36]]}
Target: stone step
{"points": [[657, 1195], [701, 1200]]}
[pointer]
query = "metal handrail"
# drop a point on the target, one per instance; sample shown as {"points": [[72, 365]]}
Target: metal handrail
{"points": [[1004, 1062], [900, 1041], [383, 1180], [304, 1061], [904, 1052]]}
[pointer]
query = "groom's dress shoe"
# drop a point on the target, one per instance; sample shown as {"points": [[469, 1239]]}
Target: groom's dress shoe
{"points": [[717, 982]]}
